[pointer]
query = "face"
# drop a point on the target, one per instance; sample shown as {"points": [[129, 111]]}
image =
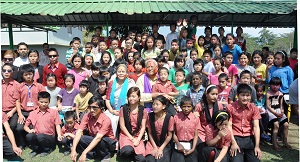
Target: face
{"points": [[159, 44], [138, 66], [69, 82], [245, 79], [151, 67], [180, 64], [163, 75], [114, 44], [274, 87], [257, 59], [270, 60], [149, 43], [229, 40], [138, 38], [113, 34], [196, 80], [96, 72], [102, 46], [212, 96], [76, 44], [53, 56], [217, 51], [228, 59], [179, 77], [70, 123], [217, 65], [158, 106], [189, 44], [130, 57], [106, 75], [172, 28], [174, 46], [239, 31], [132, 36], [102, 86], [183, 53], [7, 72], [144, 38], [260, 91], [198, 67], [201, 41], [244, 98], [278, 60], [77, 62], [83, 89], [243, 60], [184, 33], [160, 64], [222, 82], [194, 55], [128, 44], [105, 58], [33, 58], [95, 41], [88, 60], [22, 50], [221, 31], [206, 57], [88, 48], [155, 28], [166, 55], [8, 58], [97, 32], [94, 109], [118, 53], [28, 77], [134, 98], [214, 40], [294, 55], [187, 108], [43, 103], [51, 82], [207, 32], [121, 73], [222, 125]]}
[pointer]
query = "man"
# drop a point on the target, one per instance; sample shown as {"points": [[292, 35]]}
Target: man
{"points": [[43, 56], [23, 57], [171, 36], [128, 47], [156, 35]]}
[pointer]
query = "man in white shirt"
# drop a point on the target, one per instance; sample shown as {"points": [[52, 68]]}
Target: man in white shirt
{"points": [[171, 36], [43, 56], [23, 55]]}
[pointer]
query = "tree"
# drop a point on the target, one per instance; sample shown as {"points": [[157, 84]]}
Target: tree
{"points": [[266, 38]]}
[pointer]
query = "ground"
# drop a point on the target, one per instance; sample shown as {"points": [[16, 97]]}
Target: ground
{"points": [[269, 154]]}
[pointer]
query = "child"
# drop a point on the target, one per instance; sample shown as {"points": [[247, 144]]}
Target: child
{"points": [[213, 77], [40, 126], [183, 38], [217, 137], [208, 64], [260, 68], [244, 127], [77, 70], [274, 103], [88, 61], [196, 90], [181, 87], [73, 50], [139, 65], [81, 99], [94, 77], [130, 62], [186, 126], [160, 127], [166, 55], [88, 50], [245, 78], [243, 65], [164, 87], [102, 47], [232, 47], [162, 62], [232, 70], [174, 51], [118, 53], [198, 66], [178, 64], [104, 71], [192, 26], [214, 40], [106, 59], [102, 86], [133, 125], [94, 42], [270, 60], [68, 131], [199, 45], [217, 50], [223, 89], [52, 89], [260, 102], [115, 43], [150, 51], [159, 44], [293, 58], [240, 40], [207, 32], [189, 46], [189, 61]]}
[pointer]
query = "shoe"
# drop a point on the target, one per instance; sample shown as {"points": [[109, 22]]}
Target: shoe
{"points": [[32, 154], [106, 158], [66, 153], [268, 138], [43, 154]]}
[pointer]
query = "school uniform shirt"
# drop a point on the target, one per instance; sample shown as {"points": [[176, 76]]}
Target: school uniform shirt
{"points": [[172, 55], [223, 93], [233, 93], [166, 88], [211, 133], [101, 125], [43, 122], [9, 95], [125, 140], [286, 75], [59, 70], [236, 51], [82, 101], [202, 117], [158, 128], [185, 126], [65, 129], [67, 97], [242, 118], [25, 97], [209, 67], [79, 76]]}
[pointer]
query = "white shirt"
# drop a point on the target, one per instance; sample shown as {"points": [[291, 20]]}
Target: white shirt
{"points": [[170, 37], [19, 61]]}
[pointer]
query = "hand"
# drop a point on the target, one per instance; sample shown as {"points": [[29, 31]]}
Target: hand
{"points": [[180, 148], [21, 119], [75, 50], [17, 150], [59, 107], [187, 152], [9, 114], [159, 154], [196, 114], [184, 22], [73, 155], [179, 21], [136, 142], [31, 131], [233, 149], [115, 112], [154, 152], [82, 158], [257, 152], [59, 138], [222, 133]]}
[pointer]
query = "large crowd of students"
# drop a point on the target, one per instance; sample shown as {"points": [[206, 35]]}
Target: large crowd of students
{"points": [[152, 99]]}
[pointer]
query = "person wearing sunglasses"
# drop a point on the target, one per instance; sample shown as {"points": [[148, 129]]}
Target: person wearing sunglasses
{"points": [[23, 57], [9, 57], [100, 139]]}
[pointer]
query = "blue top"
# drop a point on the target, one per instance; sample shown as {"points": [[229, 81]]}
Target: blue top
{"points": [[196, 96], [236, 52], [286, 75]]}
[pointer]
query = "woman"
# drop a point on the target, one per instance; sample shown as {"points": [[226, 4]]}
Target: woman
{"points": [[9, 57]]}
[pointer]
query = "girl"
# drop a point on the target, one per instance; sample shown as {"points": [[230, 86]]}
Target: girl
{"points": [[77, 70], [160, 127], [217, 51], [130, 62], [166, 55], [232, 47], [159, 44], [270, 60], [118, 53], [260, 68], [106, 59], [162, 62], [213, 77], [88, 61], [183, 37], [33, 57], [52, 89], [102, 86], [199, 45], [133, 125], [139, 65], [243, 65], [189, 61], [217, 137], [240, 40], [276, 112], [149, 51], [260, 102], [178, 64]]}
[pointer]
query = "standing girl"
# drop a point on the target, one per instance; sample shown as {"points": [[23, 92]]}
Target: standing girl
{"points": [[260, 68], [232, 47], [270, 60], [52, 89], [160, 127], [139, 65], [149, 51], [199, 45], [130, 62], [243, 65], [217, 51], [276, 112], [106, 59], [213, 77], [88, 61], [133, 125], [178, 64], [77, 70]]}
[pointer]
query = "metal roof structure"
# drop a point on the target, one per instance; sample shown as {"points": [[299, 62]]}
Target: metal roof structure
{"points": [[252, 13]]}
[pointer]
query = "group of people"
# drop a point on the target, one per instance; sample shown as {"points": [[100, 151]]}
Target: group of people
{"points": [[150, 98]]}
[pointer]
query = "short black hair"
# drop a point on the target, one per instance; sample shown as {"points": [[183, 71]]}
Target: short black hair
{"points": [[76, 39], [180, 71], [293, 50], [199, 61], [22, 43], [70, 115], [163, 68], [266, 48], [227, 53], [244, 88], [100, 102], [103, 69], [84, 83], [53, 49], [69, 76], [197, 74], [208, 51], [33, 51], [185, 99], [51, 75], [44, 94], [107, 53], [245, 72], [27, 68], [102, 79], [256, 86], [96, 66], [179, 58], [183, 49], [223, 75], [10, 65], [81, 58], [275, 81], [160, 58], [175, 41]]}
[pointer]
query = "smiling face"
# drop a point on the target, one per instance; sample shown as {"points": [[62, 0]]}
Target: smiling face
{"points": [[121, 73], [134, 98], [243, 60], [244, 98], [151, 68]]}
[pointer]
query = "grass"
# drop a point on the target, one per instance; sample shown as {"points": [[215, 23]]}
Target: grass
{"points": [[269, 154]]}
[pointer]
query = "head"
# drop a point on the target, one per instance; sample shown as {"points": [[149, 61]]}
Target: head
{"points": [[161, 61], [69, 80], [227, 58], [160, 103], [9, 57], [244, 58], [179, 76], [159, 44], [163, 74], [189, 43], [281, 59], [84, 87], [223, 79], [179, 62], [230, 39], [211, 94], [220, 119], [114, 43], [130, 57], [45, 48], [122, 72], [96, 106], [186, 104], [95, 40], [77, 61], [275, 84], [185, 33], [51, 80], [43, 100], [128, 43], [214, 39], [149, 42], [245, 77], [139, 64], [294, 53], [112, 33], [207, 55], [105, 58], [95, 67], [88, 47], [151, 67], [33, 56], [257, 57], [7, 71], [138, 37], [70, 117], [22, 49], [244, 94], [270, 58], [166, 54], [221, 31], [102, 45], [201, 40], [265, 50], [239, 31], [218, 63], [193, 19], [207, 31], [104, 71], [260, 89], [98, 31], [133, 95], [183, 52], [196, 79], [173, 27], [194, 54], [174, 45], [198, 65], [88, 60], [118, 53], [217, 50], [144, 37], [102, 83], [27, 72], [53, 55], [155, 28], [136, 55], [76, 42]]}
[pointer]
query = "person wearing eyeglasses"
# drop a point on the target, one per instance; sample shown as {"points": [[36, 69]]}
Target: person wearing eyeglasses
{"points": [[56, 68], [100, 140], [9, 57], [23, 57]]}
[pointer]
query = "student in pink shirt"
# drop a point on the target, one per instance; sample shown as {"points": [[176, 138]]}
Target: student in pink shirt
{"points": [[213, 76], [223, 89], [232, 69], [79, 73]]}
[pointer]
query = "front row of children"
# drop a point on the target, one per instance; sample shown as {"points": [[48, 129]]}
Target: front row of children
{"points": [[232, 134]]}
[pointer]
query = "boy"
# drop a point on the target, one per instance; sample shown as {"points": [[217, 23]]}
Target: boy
{"points": [[102, 86], [111, 37], [207, 32], [245, 78], [223, 89], [232, 70], [94, 77], [101, 48], [189, 46], [174, 51], [113, 46], [100, 138], [244, 127], [28, 91], [198, 66], [128, 47], [208, 64], [95, 44], [40, 126], [196, 90], [88, 50], [81, 99], [171, 36], [68, 131], [105, 71], [293, 58], [75, 49], [181, 87]]}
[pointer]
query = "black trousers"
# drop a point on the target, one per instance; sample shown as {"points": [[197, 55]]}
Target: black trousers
{"points": [[7, 147], [166, 155], [207, 150], [67, 143], [179, 156], [200, 146], [105, 147], [41, 142], [13, 121], [20, 133], [246, 145], [128, 151]]}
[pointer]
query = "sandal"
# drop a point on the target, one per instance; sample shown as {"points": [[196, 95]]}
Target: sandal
{"points": [[288, 146], [278, 149]]}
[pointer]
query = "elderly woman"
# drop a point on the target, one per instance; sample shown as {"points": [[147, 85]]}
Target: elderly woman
{"points": [[116, 94]]}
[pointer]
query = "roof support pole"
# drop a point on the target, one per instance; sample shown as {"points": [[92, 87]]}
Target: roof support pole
{"points": [[10, 35], [232, 17], [296, 37], [106, 21], [47, 36]]}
